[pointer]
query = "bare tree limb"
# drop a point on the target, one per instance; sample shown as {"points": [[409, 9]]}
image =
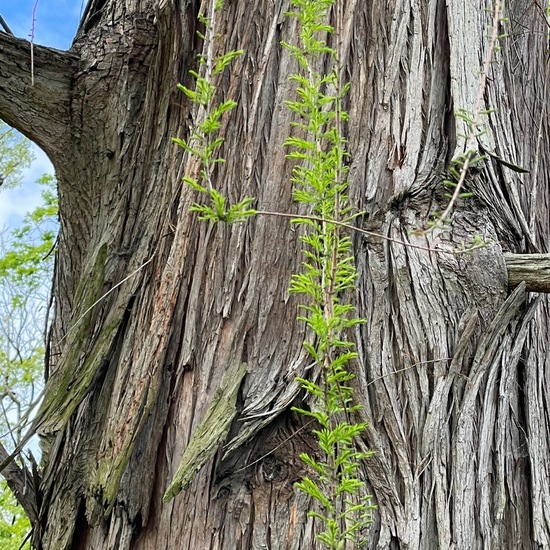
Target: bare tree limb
{"points": [[5, 26], [534, 269], [21, 483], [41, 112]]}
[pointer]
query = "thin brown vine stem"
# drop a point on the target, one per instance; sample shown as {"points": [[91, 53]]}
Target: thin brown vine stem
{"points": [[327, 280], [339, 141], [265, 455], [413, 366], [103, 296], [210, 35], [32, 40], [458, 189], [335, 483], [473, 131], [358, 230]]}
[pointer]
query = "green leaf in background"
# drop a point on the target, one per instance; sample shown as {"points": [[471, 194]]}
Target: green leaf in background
{"points": [[26, 266]]}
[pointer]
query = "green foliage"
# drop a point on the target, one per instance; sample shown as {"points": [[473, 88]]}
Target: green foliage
{"points": [[218, 211], [204, 140], [26, 263], [15, 155], [471, 159], [14, 524], [328, 276], [27, 254]]}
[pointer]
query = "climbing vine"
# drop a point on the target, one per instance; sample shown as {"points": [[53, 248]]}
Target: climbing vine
{"points": [[327, 279], [328, 274]]}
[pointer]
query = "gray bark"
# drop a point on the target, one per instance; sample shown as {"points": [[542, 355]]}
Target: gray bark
{"points": [[453, 371], [534, 269], [39, 110], [22, 484]]}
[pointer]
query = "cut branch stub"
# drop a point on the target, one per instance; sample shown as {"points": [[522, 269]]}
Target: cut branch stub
{"points": [[534, 269]]}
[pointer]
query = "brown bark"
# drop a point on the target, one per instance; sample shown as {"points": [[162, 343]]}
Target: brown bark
{"points": [[452, 373]]}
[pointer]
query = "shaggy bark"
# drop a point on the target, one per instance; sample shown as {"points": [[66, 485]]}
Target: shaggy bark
{"points": [[152, 307]]}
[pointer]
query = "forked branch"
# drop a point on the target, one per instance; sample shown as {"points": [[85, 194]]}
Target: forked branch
{"points": [[40, 111]]}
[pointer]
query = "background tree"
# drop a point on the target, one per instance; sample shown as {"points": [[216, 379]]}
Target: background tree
{"points": [[26, 266], [15, 155], [452, 370]]}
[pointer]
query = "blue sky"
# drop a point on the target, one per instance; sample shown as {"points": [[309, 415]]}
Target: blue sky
{"points": [[55, 26], [56, 20]]}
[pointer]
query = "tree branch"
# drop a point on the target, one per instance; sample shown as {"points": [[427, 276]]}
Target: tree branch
{"points": [[21, 483], [42, 111], [5, 26], [534, 269]]}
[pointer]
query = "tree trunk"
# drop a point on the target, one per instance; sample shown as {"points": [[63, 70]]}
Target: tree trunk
{"points": [[152, 308]]}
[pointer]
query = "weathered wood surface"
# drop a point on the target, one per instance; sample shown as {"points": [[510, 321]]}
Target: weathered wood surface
{"points": [[453, 372], [534, 269]]}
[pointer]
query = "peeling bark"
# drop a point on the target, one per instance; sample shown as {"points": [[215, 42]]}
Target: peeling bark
{"points": [[452, 371]]}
